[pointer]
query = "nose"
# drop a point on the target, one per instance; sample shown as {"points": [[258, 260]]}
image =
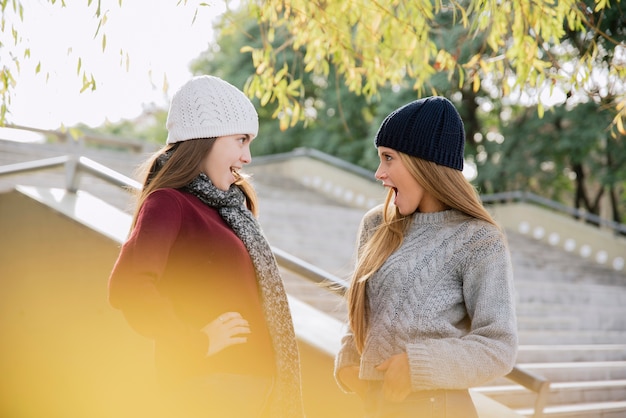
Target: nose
{"points": [[379, 174], [246, 156]]}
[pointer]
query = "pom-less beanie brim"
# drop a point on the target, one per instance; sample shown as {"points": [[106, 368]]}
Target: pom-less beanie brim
{"points": [[209, 107], [429, 128]]}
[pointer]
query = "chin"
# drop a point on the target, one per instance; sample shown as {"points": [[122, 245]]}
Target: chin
{"points": [[406, 211], [223, 186]]}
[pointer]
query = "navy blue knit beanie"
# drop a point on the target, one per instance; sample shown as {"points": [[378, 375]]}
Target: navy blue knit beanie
{"points": [[429, 128]]}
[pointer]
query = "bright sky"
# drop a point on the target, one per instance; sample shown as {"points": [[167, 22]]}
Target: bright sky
{"points": [[159, 37]]}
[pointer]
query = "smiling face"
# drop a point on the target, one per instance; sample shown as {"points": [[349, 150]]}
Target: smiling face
{"points": [[229, 154], [410, 196]]}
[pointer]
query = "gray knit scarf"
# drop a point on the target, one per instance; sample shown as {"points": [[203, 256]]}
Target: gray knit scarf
{"points": [[286, 399]]}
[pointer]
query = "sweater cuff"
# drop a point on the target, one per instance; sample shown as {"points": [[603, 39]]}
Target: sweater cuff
{"points": [[421, 367], [345, 358]]}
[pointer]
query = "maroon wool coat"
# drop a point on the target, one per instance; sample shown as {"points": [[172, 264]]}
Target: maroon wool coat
{"points": [[181, 268]]}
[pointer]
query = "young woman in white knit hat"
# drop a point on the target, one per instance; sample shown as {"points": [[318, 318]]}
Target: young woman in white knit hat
{"points": [[431, 301], [196, 273]]}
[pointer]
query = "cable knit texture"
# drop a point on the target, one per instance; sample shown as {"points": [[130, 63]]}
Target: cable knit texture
{"points": [[446, 298], [209, 107]]}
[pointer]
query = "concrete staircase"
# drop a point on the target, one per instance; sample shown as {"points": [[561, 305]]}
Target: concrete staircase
{"points": [[572, 311], [572, 322]]}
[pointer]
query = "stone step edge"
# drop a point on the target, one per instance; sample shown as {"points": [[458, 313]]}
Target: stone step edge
{"points": [[554, 387], [578, 408], [573, 365], [571, 347]]}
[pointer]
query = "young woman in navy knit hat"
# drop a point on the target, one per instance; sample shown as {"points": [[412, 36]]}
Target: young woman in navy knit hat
{"points": [[431, 301], [196, 273]]}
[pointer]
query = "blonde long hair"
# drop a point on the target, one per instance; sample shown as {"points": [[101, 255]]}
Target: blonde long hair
{"points": [[180, 169], [447, 185]]}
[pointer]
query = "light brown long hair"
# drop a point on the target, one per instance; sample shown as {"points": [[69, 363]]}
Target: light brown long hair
{"points": [[180, 169], [447, 185]]}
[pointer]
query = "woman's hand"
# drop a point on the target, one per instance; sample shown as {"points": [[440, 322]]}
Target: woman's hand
{"points": [[227, 329], [349, 376], [397, 382]]}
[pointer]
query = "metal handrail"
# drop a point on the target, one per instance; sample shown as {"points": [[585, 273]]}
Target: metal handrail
{"points": [[107, 174], [73, 165], [34, 165]]}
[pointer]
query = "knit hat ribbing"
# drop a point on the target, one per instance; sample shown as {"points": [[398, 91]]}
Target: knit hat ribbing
{"points": [[209, 107], [429, 128]]}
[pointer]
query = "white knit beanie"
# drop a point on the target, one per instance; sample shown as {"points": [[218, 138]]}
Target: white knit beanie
{"points": [[209, 107]]}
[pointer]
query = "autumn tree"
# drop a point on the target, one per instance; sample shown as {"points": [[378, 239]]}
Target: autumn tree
{"points": [[571, 153], [373, 44]]}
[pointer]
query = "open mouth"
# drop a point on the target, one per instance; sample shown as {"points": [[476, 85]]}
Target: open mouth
{"points": [[235, 173]]}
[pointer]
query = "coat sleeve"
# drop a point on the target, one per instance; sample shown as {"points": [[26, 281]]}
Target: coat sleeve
{"points": [[134, 282], [489, 349]]}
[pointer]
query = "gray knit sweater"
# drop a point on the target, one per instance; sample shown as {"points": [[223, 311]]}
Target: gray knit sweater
{"points": [[445, 297]]}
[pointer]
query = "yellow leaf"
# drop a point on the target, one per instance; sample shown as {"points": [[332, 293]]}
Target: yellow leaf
{"points": [[284, 123], [280, 74], [293, 89], [472, 62], [296, 114], [620, 125], [166, 84], [266, 98], [85, 84]]}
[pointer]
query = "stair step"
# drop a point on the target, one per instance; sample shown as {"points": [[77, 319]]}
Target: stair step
{"points": [[537, 315], [575, 371], [573, 365], [549, 322], [548, 337], [582, 295], [571, 410], [554, 386], [603, 384], [540, 309], [571, 371], [540, 353], [516, 396]]}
